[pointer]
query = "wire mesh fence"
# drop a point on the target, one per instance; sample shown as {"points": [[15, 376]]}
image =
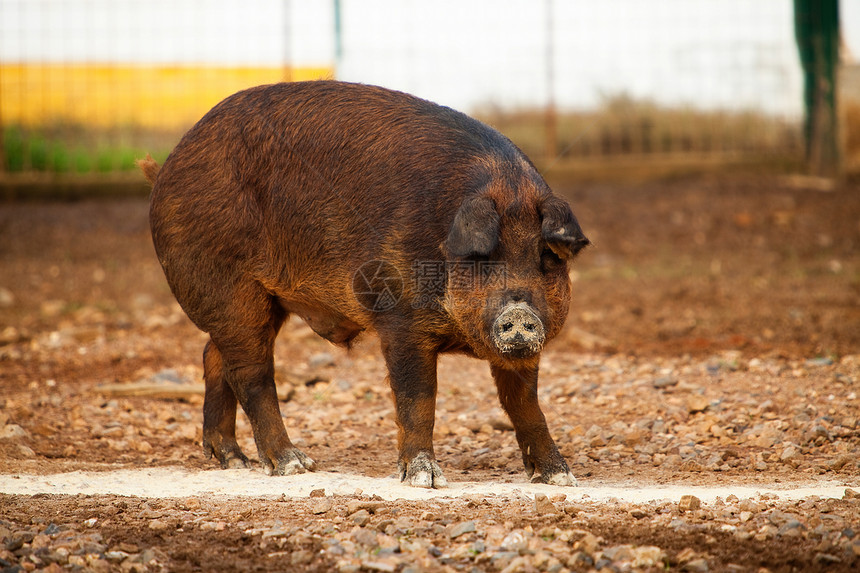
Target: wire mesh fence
{"points": [[86, 86]]}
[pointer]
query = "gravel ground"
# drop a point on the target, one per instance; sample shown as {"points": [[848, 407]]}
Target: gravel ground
{"points": [[713, 342]]}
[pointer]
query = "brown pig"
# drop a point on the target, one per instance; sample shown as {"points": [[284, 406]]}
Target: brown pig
{"points": [[359, 209]]}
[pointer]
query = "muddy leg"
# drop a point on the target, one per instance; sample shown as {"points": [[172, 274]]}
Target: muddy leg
{"points": [[219, 413], [518, 395], [412, 375], [254, 385], [247, 346]]}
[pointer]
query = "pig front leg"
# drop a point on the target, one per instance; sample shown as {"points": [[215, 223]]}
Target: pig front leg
{"points": [[518, 396], [412, 376]]}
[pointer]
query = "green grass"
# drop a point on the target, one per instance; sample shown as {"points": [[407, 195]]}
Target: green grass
{"points": [[75, 151], [13, 145]]}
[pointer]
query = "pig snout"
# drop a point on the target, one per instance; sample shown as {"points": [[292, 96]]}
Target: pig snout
{"points": [[518, 331]]}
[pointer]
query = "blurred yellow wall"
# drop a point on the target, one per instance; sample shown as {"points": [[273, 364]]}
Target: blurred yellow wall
{"points": [[104, 96]]}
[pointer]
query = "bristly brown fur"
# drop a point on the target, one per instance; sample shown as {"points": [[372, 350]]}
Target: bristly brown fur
{"points": [[275, 200]]}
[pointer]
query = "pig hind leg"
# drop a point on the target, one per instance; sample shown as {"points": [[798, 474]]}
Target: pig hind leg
{"points": [[244, 336], [219, 413]]}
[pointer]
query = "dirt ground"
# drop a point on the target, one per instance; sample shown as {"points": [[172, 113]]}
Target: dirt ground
{"points": [[714, 338]]}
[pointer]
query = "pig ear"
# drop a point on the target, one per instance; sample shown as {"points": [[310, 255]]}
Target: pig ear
{"points": [[560, 229], [475, 230]]}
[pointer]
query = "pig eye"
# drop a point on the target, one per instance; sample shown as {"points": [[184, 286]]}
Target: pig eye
{"points": [[550, 261]]}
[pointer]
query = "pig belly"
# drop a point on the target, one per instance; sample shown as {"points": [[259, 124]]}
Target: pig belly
{"points": [[328, 323]]}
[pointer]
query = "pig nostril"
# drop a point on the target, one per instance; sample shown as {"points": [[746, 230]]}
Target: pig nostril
{"points": [[529, 326], [506, 327]]}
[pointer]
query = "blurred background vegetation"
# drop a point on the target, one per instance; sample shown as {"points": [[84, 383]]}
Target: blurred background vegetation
{"points": [[72, 116]]}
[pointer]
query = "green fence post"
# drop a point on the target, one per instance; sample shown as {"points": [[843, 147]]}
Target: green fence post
{"points": [[816, 27], [2, 132]]}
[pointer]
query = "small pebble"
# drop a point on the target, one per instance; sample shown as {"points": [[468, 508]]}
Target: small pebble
{"points": [[7, 299], [664, 382], [365, 536], [12, 432], [689, 503], [543, 505], [697, 403], [826, 559], [514, 541], [384, 566], [698, 565], [461, 528], [324, 505]]}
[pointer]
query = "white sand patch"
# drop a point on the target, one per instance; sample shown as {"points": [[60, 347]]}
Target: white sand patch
{"points": [[177, 482]]}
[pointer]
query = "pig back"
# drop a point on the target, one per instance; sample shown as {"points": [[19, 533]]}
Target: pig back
{"points": [[298, 184]]}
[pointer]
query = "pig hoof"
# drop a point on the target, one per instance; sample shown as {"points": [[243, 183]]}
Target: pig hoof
{"points": [[235, 463], [292, 462], [423, 471], [229, 458], [559, 478]]}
